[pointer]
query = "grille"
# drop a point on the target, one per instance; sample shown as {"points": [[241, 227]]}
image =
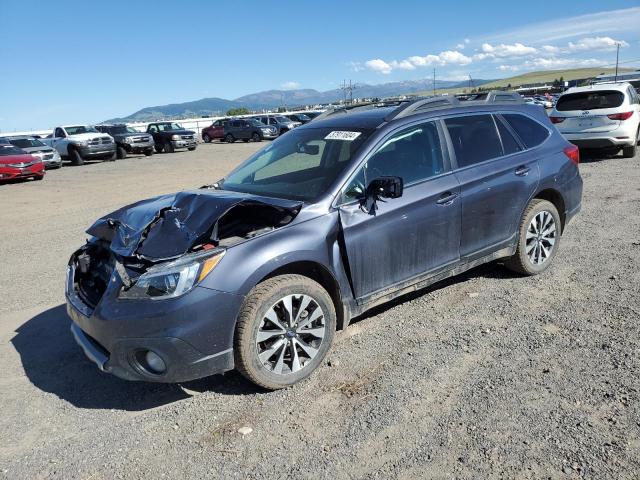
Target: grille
{"points": [[106, 141], [187, 137], [21, 165], [92, 274], [140, 139]]}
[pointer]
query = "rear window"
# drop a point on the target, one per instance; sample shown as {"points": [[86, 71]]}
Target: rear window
{"points": [[590, 100], [530, 132]]}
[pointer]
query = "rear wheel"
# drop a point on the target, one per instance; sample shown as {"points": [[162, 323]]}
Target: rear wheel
{"points": [[121, 153], [256, 137], [539, 238], [76, 158], [229, 138], [285, 329], [168, 147], [630, 151], [159, 148]]}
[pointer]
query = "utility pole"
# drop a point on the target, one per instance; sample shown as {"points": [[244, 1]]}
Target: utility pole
{"points": [[470, 82], [347, 90], [617, 53], [434, 81]]}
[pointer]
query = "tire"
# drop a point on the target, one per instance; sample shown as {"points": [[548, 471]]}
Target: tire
{"points": [[305, 351], [148, 152], [630, 151], [121, 153], [112, 158], [76, 158], [206, 138], [229, 138], [168, 148], [256, 137], [530, 257], [191, 149], [38, 178], [159, 148], [245, 140]]}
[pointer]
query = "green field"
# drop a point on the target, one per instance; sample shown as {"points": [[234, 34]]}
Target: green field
{"points": [[546, 76]]}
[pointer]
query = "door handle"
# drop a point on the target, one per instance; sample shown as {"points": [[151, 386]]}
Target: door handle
{"points": [[446, 198], [522, 171]]}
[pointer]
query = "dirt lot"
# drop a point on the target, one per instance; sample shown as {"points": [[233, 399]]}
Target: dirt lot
{"points": [[486, 375]]}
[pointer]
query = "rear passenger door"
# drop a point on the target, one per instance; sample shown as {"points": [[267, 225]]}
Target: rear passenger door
{"points": [[497, 177], [408, 236]]}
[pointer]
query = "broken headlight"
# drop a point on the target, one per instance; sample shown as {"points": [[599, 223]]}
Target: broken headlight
{"points": [[173, 278]]}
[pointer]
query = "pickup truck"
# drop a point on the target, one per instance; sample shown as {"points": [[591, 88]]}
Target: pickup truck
{"points": [[169, 135], [128, 140], [81, 142]]}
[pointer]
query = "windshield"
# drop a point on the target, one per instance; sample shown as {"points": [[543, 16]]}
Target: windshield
{"points": [[10, 150], [121, 129], [164, 127], [302, 116], [283, 120], [80, 129], [27, 142], [301, 165], [255, 123], [590, 100]]}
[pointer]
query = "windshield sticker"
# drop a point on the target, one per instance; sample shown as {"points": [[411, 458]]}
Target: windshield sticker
{"points": [[346, 136]]}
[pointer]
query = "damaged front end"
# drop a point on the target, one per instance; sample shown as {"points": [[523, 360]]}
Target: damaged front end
{"points": [[163, 247]]}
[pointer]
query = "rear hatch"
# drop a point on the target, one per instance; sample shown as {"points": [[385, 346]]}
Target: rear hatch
{"points": [[588, 112]]}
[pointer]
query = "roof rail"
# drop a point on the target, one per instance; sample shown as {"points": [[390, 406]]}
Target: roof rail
{"points": [[494, 96], [422, 104]]}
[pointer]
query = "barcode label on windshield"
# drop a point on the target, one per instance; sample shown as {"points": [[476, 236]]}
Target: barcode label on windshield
{"points": [[346, 136]]}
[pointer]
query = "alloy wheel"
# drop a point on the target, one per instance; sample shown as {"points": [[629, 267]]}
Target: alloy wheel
{"points": [[290, 334], [541, 237]]}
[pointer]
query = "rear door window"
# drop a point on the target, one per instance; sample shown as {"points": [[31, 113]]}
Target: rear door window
{"points": [[475, 139], [595, 100], [530, 132]]}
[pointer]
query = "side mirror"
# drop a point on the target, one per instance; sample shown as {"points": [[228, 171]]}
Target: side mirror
{"points": [[385, 187]]}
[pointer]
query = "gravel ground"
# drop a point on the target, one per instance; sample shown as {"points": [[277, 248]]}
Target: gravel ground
{"points": [[485, 375]]}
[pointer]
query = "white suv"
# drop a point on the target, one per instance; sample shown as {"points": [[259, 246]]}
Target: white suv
{"points": [[603, 116]]}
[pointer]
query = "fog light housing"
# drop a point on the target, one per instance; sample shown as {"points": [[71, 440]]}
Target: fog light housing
{"points": [[151, 362]]}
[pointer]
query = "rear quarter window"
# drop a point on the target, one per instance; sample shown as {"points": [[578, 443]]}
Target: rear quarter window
{"points": [[530, 132], [590, 100]]}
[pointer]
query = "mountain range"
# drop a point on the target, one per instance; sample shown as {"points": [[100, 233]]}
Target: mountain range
{"points": [[270, 99]]}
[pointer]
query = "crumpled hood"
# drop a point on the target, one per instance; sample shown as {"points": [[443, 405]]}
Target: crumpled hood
{"points": [[168, 226]]}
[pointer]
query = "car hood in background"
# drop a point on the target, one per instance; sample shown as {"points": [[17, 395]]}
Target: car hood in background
{"points": [[43, 148], [168, 226], [13, 159]]}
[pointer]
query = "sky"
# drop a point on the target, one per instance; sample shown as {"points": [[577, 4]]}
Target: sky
{"points": [[83, 62]]}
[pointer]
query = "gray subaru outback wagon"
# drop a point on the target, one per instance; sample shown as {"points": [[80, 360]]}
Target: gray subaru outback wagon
{"points": [[257, 271]]}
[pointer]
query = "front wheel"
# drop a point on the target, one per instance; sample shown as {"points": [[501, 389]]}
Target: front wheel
{"points": [[206, 138], [159, 148], [121, 153], [191, 149], [76, 158], [168, 147], [538, 240], [229, 138], [285, 328], [148, 152]]}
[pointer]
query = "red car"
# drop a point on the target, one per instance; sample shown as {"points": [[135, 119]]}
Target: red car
{"points": [[215, 130], [16, 163]]}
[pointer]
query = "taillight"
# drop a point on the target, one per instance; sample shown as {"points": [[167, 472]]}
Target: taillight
{"points": [[573, 153], [557, 119], [620, 116]]}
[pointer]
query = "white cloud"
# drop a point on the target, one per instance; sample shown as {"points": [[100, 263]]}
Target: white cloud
{"points": [[509, 68], [448, 57], [290, 85], [595, 43], [504, 50], [355, 66], [550, 49], [625, 20], [378, 65]]}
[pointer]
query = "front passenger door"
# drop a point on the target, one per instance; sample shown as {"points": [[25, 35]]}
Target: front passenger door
{"points": [[408, 236]]}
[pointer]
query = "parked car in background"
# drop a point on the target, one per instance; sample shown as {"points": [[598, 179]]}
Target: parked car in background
{"points": [[545, 102], [170, 135], [258, 270], [280, 122], [81, 142], [299, 117], [535, 101], [128, 140], [248, 129], [215, 131], [49, 156], [15, 163], [603, 116]]}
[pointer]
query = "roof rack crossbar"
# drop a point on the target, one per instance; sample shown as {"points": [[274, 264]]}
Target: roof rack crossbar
{"points": [[422, 104], [357, 108]]}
